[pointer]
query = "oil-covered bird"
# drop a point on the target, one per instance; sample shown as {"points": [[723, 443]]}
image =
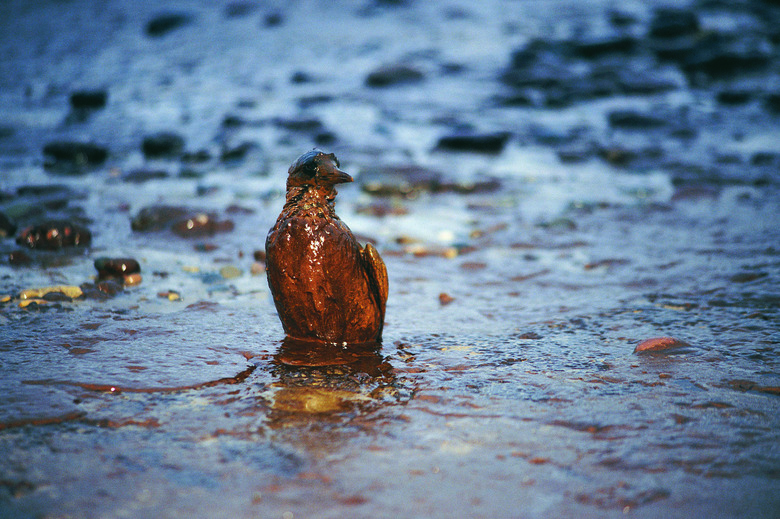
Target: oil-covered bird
{"points": [[326, 287]]}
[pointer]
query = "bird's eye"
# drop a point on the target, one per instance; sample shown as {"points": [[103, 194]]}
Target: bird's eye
{"points": [[333, 156], [309, 170]]}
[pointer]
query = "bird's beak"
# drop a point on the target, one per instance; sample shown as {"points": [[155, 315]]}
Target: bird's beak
{"points": [[336, 176]]}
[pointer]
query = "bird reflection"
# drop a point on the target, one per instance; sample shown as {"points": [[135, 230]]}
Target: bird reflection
{"points": [[320, 383], [354, 358]]}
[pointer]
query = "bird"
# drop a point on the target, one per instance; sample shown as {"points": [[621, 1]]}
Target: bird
{"points": [[326, 287]]}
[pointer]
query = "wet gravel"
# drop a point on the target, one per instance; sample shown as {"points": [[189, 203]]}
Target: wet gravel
{"points": [[577, 205]]}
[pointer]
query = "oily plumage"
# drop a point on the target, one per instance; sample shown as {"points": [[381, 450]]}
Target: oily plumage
{"points": [[326, 287]]}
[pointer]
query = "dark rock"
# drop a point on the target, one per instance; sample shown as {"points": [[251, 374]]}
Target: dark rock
{"points": [[409, 181], [200, 226], [720, 56], [73, 157], [198, 157], [772, 103], [102, 290], [239, 9], [673, 23], [59, 191], [326, 138], [620, 19], [54, 197], [165, 23], [300, 77], [54, 235], [591, 48], [233, 121], [109, 268], [309, 101], [274, 19], [238, 153], [7, 227], [475, 143], [89, 99], [389, 75], [18, 258], [632, 120], [544, 73], [206, 190], [139, 176], [645, 81], [558, 73], [399, 180], [163, 145], [734, 97], [747, 277], [55, 296], [237, 209], [157, 217], [575, 153], [765, 158], [621, 156]]}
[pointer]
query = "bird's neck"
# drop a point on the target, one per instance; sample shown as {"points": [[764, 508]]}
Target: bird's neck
{"points": [[314, 200]]}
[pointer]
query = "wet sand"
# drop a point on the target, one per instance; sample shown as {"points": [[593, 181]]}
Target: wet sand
{"points": [[549, 183]]}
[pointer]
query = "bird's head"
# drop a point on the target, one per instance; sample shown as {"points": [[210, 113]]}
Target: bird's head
{"points": [[316, 168]]}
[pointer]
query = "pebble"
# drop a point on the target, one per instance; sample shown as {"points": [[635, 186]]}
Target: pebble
{"points": [[88, 99], [157, 217], [257, 268], [657, 344], [230, 272], [205, 247], [239, 9], [633, 120], [238, 153], [201, 225], [163, 145], [670, 22], [170, 295], [69, 291], [110, 268], [445, 299], [165, 23], [259, 256], [410, 180], [389, 75], [274, 19], [102, 289], [73, 157], [132, 279], [55, 234], [723, 56], [491, 143]]}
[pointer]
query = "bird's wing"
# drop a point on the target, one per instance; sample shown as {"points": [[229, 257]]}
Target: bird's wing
{"points": [[377, 274]]}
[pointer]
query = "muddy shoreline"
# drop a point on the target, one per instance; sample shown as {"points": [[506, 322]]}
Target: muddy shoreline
{"points": [[549, 183]]}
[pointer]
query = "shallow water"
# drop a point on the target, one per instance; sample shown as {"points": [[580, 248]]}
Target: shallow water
{"points": [[507, 383]]}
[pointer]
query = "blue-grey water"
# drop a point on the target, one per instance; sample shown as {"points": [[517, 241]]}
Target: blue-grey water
{"points": [[616, 180]]}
